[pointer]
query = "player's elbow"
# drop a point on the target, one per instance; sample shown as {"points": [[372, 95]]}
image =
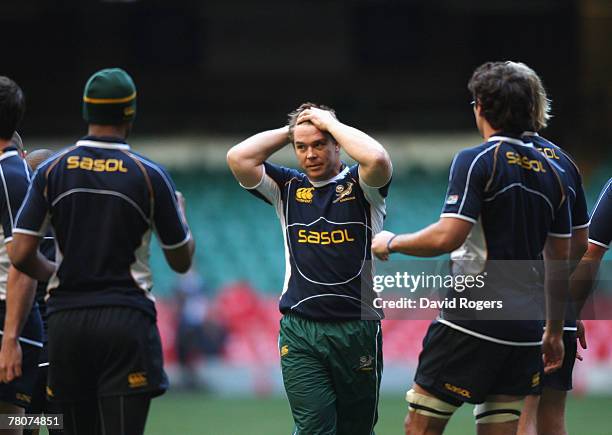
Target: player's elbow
{"points": [[449, 242], [233, 158], [180, 259], [17, 255]]}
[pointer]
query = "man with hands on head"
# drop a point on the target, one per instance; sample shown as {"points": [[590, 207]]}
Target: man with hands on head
{"points": [[505, 201], [330, 341]]}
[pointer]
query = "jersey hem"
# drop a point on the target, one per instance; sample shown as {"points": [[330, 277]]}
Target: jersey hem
{"points": [[488, 338]]}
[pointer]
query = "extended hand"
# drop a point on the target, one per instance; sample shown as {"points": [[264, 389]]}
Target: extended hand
{"points": [[322, 119], [380, 245], [10, 360]]}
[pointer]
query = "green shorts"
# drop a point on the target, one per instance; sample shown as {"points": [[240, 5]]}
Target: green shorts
{"points": [[331, 372]]}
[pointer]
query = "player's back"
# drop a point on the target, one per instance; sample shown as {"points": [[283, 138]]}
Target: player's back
{"points": [[516, 199], [565, 164], [103, 201]]}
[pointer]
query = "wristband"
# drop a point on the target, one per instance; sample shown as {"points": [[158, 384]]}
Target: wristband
{"points": [[389, 250]]}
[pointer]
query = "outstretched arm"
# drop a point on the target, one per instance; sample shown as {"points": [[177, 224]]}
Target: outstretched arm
{"points": [[374, 163], [247, 158], [444, 236]]}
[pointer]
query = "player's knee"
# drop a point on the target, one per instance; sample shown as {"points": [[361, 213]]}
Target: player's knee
{"points": [[426, 413], [498, 412]]}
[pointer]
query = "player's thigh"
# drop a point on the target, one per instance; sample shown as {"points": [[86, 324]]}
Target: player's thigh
{"points": [[561, 380], [521, 373], [130, 348], [81, 417], [457, 367], [551, 412], [307, 379], [123, 415], [427, 414], [71, 376], [356, 364]]}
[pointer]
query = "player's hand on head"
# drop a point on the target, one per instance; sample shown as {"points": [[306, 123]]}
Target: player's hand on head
{"points": [[322, 119], [553, 352], [581, 337], [10, 361], [380, 245]]}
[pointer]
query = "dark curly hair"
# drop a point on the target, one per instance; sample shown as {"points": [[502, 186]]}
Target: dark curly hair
{"points": [[293, 116], [507, 97], [12, 107]]}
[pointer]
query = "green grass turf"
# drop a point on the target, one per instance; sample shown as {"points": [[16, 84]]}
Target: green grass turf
{"points": [[198, 414]]}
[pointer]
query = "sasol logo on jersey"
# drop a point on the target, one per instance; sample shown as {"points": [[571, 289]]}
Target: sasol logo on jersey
{"points": [[344, 193], [551, 153], [324, 237], [96, 165], [524, 162], [304, 194]]}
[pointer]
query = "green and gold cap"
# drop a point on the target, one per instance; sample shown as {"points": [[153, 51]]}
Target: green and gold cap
{"points": [[109, 97]]}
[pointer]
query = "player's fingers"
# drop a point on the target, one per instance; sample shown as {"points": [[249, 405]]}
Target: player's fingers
{"points": [[579, 357], [582, 340], [552, 366]]}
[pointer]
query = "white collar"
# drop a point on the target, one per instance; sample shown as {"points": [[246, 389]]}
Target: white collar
{"points": [[529, 133], [8, 154], [510, 140], [331, 180], [99, 144]]}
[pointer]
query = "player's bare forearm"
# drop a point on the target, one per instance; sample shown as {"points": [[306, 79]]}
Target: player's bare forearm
{"points": [[246, 159], [583, 278], [442, 237], [24, 255], [20, 292], [556, 282], [374, 162]]}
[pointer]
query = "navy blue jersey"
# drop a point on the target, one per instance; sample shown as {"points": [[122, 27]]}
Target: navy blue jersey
{"points": [[327, 228], [565, 164], [516, 198], [15, 179], [576, 195], [103, 202], [600, 230]]}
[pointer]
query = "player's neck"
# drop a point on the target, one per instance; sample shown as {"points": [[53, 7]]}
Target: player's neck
{"points": [[118, 131], [488, 131], [4, 143]]}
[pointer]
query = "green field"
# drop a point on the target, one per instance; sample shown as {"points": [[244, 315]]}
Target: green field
{"points": [[195, 414]]}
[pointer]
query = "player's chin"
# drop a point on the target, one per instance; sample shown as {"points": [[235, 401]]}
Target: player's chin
{"points": [[316, 172]]}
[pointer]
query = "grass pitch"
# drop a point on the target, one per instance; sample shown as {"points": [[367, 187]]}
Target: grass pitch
{"points": [[199, 414]]}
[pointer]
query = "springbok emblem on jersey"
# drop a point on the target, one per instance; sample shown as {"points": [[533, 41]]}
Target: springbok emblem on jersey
{"points": [[343, 192]]}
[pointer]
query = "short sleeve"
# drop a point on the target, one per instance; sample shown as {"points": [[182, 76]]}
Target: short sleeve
{"points": [[33, 216], [272, 181], [466, 184], [562, 223], [600, 228], [374, 195], [580, 213], [171, 229]]}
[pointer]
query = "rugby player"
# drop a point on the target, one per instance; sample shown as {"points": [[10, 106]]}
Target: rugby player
{"points": [[600, 236], [505, 201], [550, 414], [15, 287], [40, 404], [330, 343], [103, 201]]}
